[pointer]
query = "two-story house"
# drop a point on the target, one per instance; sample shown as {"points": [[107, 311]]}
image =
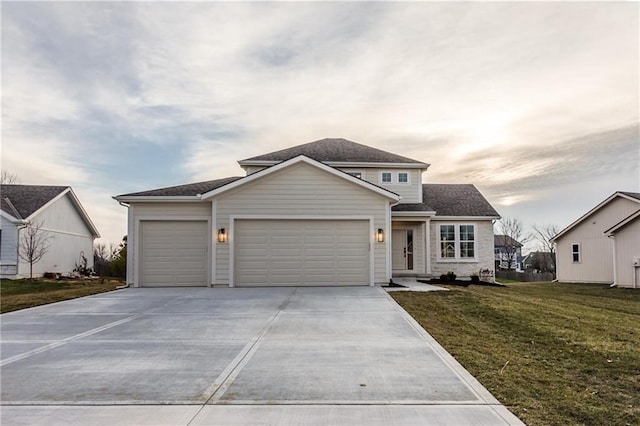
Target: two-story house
{"points": [[508, 253], [327, 213]]}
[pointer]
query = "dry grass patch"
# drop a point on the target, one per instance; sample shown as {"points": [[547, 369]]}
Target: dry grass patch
{"points": [[553, 353], [21, 294]]}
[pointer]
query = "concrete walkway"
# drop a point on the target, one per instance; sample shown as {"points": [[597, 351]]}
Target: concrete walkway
{"points": [[412, 284], [313, 356]]}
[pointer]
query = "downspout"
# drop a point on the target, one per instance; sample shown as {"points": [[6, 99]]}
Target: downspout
{"points": [[615, 275]]}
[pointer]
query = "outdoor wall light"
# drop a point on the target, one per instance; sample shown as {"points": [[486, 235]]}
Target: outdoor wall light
{"points": [[222, 235], [380, 235]]}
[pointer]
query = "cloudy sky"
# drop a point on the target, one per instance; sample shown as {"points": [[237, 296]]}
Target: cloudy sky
{"points": [[537, 104]]}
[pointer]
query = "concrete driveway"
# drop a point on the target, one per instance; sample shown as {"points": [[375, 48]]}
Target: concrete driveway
{"points": [[233, 356]]}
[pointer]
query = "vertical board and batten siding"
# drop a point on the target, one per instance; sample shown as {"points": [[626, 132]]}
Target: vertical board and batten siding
{"points": [[627, 241], [596, 249], [8, 248], [484, 249], [300, 190], [69, 238], [157, 211]]}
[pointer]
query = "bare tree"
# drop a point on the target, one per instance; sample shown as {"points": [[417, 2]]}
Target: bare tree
{"points": [[33, 245], [543, 234], [514, 238], [8, 178]]}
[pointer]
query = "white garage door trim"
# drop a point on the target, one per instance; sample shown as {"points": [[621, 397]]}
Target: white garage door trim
{"points": [[137, 243], [231, 235]]}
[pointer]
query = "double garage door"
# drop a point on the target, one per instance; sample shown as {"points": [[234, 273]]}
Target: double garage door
{"points": [[301, 252], [266, 253]]}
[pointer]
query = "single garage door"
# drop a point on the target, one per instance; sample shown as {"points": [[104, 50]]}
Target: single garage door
{"points": [[301, 252], [173, 253]]}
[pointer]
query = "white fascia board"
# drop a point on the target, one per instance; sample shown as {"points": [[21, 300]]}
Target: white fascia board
{"points": [[151, 198], [615, 228], [418, 213], [47, 204], [301, 159], [84, 213], [465, 218], [592, 211], [267, 163], [11, 218]]}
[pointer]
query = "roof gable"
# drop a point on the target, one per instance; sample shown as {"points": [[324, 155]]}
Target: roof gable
{"points": [[624, 222], [334, 150], [632, 196], [462, 200], [27, 201], [301, 159]]}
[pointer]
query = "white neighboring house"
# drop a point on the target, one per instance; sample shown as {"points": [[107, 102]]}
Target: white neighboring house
{"points": [[327, 213], [600, 246], [507, 249], [62, 219]]}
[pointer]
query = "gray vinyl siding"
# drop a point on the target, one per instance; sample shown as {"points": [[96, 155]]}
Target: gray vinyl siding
{"points": [[596, 249], [158, 211], [300, 190], [410, 193], [627, 242], [8, 250], [484, 250]]}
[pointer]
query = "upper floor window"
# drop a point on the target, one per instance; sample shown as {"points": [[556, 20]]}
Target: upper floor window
{"points": [[386, 177], [356, 174], [575, 252], [457, 241], [403, 177]]}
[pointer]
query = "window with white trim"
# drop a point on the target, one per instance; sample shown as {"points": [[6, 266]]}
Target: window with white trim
{"points": [[457, 241], [403, 177], [575, 252], [385, 177]]}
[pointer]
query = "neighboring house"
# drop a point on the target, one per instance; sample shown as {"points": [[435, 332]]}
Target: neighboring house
{"points": [[601, 245], [63, 220], [508, 253], [539, 261], [330, 212]]}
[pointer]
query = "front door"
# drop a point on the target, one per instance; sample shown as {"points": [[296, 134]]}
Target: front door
{"points": [[402, 250]]}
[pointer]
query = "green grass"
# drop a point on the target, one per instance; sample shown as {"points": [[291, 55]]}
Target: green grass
{"points": [[21, 294], [553, 353]]}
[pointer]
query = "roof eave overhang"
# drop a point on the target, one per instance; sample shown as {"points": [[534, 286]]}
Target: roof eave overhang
{"points": [[416, 213], [466, 217], [304, 159], [624, 222], [151, 198], [11, 218], [355, 164]]}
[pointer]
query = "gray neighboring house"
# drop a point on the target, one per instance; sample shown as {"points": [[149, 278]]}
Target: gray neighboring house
{"points": [[63, 220], [603, 245], [329, 212], [506, 248]]}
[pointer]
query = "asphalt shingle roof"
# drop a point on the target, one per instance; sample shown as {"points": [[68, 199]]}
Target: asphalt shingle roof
{"points": [[335, 150], [505, 241], [191, 189], [631, 194], [27, 198], [450, 200]]}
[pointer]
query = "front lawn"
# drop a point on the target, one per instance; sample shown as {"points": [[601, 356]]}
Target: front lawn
{"points": [[553, 353], [20, 294]]}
